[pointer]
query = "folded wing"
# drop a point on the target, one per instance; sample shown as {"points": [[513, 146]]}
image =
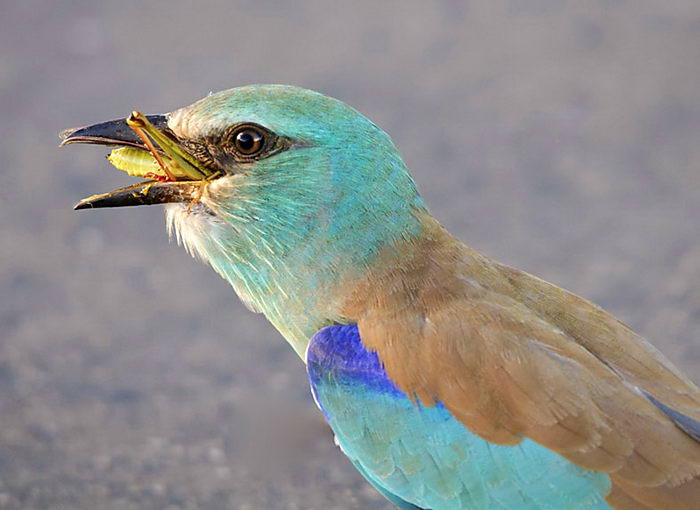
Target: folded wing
{"points": [[513, 357]]}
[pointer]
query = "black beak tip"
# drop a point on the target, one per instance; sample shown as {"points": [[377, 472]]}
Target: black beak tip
{"points": [[65, 135], [82, 205]]}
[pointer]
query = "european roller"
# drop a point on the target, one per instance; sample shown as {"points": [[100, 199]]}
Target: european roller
{"points": [[450, 381]]}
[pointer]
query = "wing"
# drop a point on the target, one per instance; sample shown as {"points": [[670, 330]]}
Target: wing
{"points": [[422, 457], [514, 357]]}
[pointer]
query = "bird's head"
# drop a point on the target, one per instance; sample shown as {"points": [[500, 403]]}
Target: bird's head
{"points": [[284, 191]]}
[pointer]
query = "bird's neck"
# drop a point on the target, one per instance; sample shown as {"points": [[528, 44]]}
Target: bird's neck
{"points": [[296, 268]]}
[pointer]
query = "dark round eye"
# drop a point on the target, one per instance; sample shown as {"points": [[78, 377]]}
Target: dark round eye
{"points": [[249, 141]]}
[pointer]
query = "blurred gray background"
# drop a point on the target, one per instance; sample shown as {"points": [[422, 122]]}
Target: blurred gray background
{"points": [[559, 137]]}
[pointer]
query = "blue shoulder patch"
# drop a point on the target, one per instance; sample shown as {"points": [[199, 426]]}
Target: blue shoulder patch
{"points": [[422, 457], [336, 352]]}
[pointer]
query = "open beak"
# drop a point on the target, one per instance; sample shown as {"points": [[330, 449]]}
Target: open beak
{"points": [[182, 175]]}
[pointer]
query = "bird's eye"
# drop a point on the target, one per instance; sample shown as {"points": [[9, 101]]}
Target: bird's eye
{"points": [[249, 141]]}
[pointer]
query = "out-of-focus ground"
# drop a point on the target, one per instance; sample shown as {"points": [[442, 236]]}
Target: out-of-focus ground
{"points": [[559, 137]]}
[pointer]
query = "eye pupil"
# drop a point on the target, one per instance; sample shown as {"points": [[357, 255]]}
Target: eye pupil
{"points": [[249, 141], [246, 141]]}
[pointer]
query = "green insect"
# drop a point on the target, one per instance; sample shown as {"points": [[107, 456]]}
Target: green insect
{"points": [[170, 163], [141, 163]]}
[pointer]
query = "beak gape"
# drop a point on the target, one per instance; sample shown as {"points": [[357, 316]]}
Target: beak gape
{"points": [[175, 175]]}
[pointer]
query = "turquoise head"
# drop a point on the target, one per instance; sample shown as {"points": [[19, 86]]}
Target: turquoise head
{"points": [[303, 191]]}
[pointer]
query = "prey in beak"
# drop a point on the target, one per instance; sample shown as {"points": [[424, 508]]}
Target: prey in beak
{"points": [[145, 148]]}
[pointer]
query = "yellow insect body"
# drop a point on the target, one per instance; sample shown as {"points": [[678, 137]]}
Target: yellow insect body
{"points": [[140, 163]]}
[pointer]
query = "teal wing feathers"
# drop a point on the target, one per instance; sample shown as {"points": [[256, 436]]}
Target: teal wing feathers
{"points": [[397, 501], [422, 457]]}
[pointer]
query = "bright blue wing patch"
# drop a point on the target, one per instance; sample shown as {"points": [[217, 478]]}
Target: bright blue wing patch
{"points": [[423, 456]]}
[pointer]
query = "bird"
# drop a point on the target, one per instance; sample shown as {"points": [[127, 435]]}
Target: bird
{"points": [[450, 380]]}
